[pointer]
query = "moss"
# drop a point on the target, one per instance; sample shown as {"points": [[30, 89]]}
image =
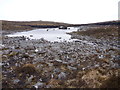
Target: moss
{"points": [[105, 60], [53, 83], [27, 69], [25, 56], [4, 58], [112, 82], [5, 48], [12, 54], [102, 78], [100, 32]]}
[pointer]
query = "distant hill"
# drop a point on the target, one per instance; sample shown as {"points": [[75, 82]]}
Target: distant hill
{"points": [[29, 25], [117, 22]]}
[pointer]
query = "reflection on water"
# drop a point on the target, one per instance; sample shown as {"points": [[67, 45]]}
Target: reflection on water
{"points": [[50, 34]]}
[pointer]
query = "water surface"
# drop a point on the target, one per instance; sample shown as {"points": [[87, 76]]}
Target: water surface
{"points": [[50, 34]]}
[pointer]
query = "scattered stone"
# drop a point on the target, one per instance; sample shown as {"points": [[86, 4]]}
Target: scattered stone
{"points": [[31, 35], [62, 76], [29, 79], [83, 63], [72, 68], [15, 81], [39, 85]]}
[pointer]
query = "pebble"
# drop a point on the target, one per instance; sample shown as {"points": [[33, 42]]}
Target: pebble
{"points": [[72, 68], [1, 64], [49, 57], [38, 85], [62, 76], [30, 79], [15, 81], [36, 50]]}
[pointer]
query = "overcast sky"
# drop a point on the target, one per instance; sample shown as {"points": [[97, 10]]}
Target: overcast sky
{"points": [[69, 11]]}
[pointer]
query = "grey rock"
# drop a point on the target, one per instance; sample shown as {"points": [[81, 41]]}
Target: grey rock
{"points": [[72, 68], [62, 76], [39, 85], [29, 79], [15, 81]]}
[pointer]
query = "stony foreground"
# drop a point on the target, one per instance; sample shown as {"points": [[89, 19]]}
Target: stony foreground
{"points": [[85, 63]]}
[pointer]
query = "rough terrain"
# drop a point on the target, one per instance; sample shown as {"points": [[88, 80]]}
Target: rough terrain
{"points": [[90, 62]]}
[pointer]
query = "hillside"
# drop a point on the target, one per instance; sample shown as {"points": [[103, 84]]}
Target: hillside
{"points": [[116, 22], [91, 61], [28, 25]]}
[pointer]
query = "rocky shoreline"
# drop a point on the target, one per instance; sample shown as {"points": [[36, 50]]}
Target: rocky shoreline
{"points": [[84, 63]]}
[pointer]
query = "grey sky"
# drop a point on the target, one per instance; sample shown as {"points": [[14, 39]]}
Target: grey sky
{"points": [[69, 11]]}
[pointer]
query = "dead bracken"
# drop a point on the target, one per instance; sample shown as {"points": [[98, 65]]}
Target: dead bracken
{"points": [[27, 69], [90, 62]]}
